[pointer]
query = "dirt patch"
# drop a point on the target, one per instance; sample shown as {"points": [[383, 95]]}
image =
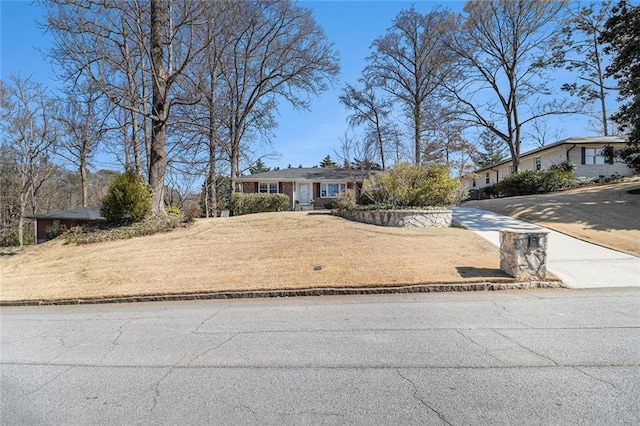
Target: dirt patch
{"points": [[607, 215], [291, 250]]}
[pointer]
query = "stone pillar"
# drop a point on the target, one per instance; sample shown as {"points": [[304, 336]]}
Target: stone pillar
{"points": [[523, 254]]}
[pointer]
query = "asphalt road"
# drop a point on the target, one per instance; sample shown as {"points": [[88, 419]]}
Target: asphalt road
{"points": [[518, 357]]}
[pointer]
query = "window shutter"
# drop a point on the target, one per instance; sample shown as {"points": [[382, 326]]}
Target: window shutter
{"points": [[583, 151], [257, 189]]}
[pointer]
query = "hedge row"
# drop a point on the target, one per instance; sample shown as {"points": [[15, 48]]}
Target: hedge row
{"points": [[530, 182], [242, 203]]}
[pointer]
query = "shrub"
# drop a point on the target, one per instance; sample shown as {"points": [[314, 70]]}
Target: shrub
{"points": [[242, 203], [565, 166], [128, 199], [411, 186], [346, 201], [96, 233], [55, 231], [173, 211], [530, 182]]}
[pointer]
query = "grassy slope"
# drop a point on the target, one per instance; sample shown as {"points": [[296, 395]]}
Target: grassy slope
{"points": [[262, 251]]}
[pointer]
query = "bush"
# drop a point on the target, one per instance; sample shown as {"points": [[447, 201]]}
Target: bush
{"points": [[565, 166], [55, 231], [411, 186], [242, 203], [530, 182], [346, 201], [128, 199], [96, 233]]}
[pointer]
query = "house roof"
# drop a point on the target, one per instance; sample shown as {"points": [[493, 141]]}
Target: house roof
{"points": [[81, 213], [305, 174], [595, 140]]}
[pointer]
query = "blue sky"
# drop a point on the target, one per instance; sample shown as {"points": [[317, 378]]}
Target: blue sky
{"points": [[302, 137]]}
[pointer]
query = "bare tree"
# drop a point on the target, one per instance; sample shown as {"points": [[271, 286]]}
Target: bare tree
{"points": [[83, 117], [410, 62], [502, 46], [278, 53], [581, 51], [27, 122], [368, 108], [90, 39]]}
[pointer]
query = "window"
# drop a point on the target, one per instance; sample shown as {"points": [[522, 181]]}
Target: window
{"points": [[474, 183], [487, 179], [538, 163], [332, 190], [268, 188], [594, 156]]}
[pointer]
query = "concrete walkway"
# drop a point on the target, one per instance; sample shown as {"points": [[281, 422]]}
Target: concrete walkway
{"points": [[577, 263]]}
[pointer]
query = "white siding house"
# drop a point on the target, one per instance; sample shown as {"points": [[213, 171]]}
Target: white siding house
{"points": [[584, 152]]}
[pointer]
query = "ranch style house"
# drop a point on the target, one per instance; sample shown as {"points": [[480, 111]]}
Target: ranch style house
{"points": [[585, 152], [307, 188]]}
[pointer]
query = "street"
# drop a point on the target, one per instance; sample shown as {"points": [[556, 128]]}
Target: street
{"points": [[553, 356]]}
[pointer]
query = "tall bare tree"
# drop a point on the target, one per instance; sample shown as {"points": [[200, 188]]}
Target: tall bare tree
{"points": [[28, 126], [501, 46], [90, 41], [410, 62], [580, 50], [371, 110], [83, 116], [278, 53]]}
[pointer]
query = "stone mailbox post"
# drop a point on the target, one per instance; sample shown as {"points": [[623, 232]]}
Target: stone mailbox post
{"points": [[523, 254]]}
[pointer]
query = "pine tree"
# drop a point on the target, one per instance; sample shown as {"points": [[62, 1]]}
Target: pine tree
{"points": [[327, 162], [492, 150]]}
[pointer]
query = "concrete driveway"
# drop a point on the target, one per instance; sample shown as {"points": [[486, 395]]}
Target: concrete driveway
{"points": [[577, 263]]}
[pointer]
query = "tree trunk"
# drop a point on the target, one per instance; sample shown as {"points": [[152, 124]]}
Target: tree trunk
{"points": [[157, 160], [84, 181], [212, 202], [417, 122]]}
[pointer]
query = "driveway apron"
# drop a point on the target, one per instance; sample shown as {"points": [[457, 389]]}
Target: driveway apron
{"points": [[577, 263]]}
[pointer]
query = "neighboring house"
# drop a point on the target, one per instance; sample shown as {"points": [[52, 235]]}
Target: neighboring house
{"points": [[66, 219], [584, 152], [307, 188]]}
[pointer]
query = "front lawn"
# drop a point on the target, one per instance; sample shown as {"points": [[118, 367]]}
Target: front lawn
{"points": [[285, 250]]}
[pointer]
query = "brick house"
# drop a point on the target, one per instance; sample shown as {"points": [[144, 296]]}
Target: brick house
{"points": [[65, 219], [307, 188], [584, 152]]}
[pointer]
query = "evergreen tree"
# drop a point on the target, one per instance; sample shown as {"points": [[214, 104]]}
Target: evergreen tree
{"points": [[259, 167], [327, 162], [492, 150], [622, 33]]}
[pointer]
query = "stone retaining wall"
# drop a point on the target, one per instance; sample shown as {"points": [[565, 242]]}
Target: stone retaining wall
{"points": [[400, 218]]}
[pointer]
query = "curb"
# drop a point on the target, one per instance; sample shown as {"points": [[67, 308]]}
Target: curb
{"points": [[321, 291]]}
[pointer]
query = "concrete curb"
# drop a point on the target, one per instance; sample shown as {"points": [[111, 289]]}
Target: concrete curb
{"points": [[321, 291]]}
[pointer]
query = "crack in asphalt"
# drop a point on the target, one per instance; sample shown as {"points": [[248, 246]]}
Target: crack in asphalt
{"points": [[218, 346], [114, 342], [527, 348], [487, 351], [595, 378], [210, 317], [503, 309], [422, 401], [156, 388], [48, 382]]}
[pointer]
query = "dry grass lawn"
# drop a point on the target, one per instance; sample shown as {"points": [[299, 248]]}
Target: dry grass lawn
{"points": [[607, 215], [290, 250]]}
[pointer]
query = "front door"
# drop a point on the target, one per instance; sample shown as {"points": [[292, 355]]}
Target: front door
{"points": [[303, 193]]}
